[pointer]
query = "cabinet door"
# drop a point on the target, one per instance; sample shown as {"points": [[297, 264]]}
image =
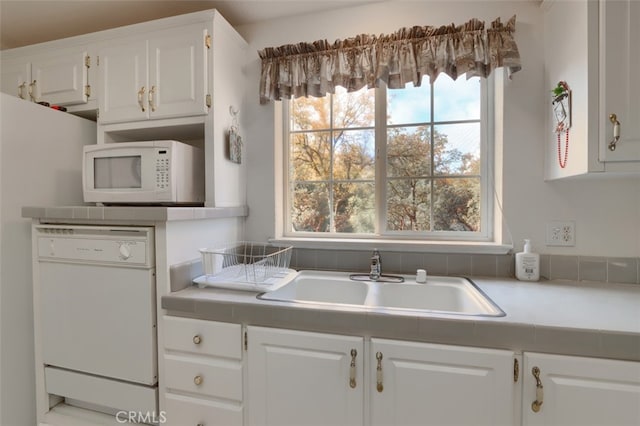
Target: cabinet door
{"points": [[123, 72], [428, 384], [61, 78], [16, 77], [580, 391], [620, 85], [301, 378], [178, 72]]}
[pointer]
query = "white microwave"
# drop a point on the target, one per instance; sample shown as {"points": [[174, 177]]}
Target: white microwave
{"points": [[151, 172]]}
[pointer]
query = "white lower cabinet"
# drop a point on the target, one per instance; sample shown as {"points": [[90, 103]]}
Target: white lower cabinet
{"points": [[301, 378], [428, 384], [185, 411], [578, 391], [202, 373]]}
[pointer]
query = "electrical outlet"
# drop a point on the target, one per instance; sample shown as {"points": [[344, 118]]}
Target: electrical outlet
{"points": [[561, 233]]}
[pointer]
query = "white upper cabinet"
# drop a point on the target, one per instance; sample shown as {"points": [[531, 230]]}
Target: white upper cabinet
{"points": [[60, 77], [576, 391], [16, 77], [123, 79], [160, 75], [593, 47], [620, 80], [429, 384]]}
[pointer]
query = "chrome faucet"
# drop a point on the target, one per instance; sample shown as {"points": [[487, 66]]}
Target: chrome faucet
{"points": [[376, 266], [375, 273]]}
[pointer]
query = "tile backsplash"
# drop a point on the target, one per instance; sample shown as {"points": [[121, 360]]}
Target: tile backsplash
{"points": [[556, 267]]}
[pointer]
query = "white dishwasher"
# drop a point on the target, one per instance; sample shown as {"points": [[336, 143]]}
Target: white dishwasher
{"points": [[98, 315]]}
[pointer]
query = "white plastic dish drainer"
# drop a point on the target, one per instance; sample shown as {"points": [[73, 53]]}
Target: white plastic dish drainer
{"points": [[246, 265]]}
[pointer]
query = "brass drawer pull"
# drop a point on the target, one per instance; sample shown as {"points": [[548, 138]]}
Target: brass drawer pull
{"points": [[32, 87], [20, 88], [152, 105], [352, 369], [198, 380], [537, 404], [379, 385], [140, 98], [197, 339], [616, 132]]}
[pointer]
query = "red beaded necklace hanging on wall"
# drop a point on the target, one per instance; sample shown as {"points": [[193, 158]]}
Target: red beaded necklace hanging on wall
{"points": [[561, 161]]}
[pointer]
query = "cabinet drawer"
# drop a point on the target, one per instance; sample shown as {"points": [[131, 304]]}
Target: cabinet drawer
{"points": [[203, 337], [216, 378], [184, 411]]}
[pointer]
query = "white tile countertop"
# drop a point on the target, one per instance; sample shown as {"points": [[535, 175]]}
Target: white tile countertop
{"points": [[569, 304], [563, 317]]}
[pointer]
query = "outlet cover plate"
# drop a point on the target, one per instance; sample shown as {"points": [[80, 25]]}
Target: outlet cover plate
{"points": [[561, 233]]}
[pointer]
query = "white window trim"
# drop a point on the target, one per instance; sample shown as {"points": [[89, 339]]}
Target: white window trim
{"points": [[491, 243]]}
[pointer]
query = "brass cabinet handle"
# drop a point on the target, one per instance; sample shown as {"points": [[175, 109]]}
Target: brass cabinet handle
{"points": [[198, 380], [616, 132], [20, 88], [352, 369], [32, 86], [151, 104], [197, 339], [140, 98], [537, 404], [379, 385]]}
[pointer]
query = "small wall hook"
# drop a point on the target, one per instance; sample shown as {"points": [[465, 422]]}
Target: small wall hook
{"points": [[234, 117]]}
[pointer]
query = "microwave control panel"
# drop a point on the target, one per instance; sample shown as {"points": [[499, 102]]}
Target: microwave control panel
{"points": [[162, 169]]}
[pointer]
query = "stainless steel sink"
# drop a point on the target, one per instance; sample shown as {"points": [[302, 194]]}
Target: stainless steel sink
{"points": [[448, 295]]}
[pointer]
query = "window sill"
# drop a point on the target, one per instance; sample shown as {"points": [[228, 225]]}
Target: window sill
{"points": [[449, 247]]}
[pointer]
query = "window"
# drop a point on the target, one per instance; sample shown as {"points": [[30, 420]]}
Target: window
{"points": [[404, 163]]}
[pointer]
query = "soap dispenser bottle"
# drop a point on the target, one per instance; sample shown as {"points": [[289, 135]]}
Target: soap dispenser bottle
{"points": [[527, 264]]}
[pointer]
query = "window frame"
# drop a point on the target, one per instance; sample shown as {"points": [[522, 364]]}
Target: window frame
{"points": [[487, 184]]}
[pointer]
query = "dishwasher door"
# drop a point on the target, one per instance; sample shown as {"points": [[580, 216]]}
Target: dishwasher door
{"points": [[98, 301]]}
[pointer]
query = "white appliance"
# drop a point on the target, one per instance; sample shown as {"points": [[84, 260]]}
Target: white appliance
{"points": [[40, 151], [98, 315], [148, 172]]}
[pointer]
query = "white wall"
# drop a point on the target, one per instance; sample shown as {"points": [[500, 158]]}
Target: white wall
{"points": [[606, 211], [40, 166], [1, 399]]}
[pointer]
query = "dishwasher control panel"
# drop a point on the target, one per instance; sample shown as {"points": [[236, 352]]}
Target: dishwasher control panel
{"points": [[131, 246]]}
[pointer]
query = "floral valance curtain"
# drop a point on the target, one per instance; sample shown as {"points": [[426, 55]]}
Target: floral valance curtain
{"points": [[315, 69]]}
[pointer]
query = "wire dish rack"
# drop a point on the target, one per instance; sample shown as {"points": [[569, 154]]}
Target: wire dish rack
{"points": [[245, 265]]}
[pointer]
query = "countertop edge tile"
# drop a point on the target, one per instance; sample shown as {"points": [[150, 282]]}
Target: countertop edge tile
{"points": [[132, 213], [569, 341]]}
